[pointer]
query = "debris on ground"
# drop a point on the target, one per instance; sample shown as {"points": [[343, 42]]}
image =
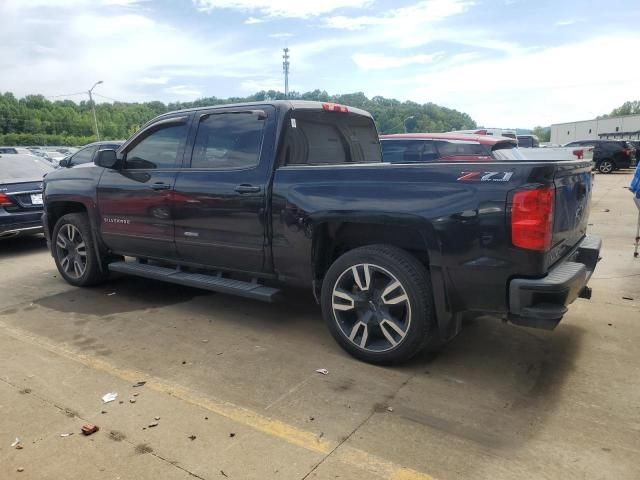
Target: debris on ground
{"points": [[204, 340], [192, 437], [103, 412], [232, 434], [136, 394], [206, 418], [15, 443], [627, 298], [156, 418], [20, 469], [389, 409], [152, 425], [184, 362], [132, 400], [323, 371], [311, 419], [606, 210], [224, 474], [139, 384], [65, 435], [89, 429], [109, 397]]}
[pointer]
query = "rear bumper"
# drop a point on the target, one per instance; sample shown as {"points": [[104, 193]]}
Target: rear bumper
{"points": [[22, 228], [542, 302]]}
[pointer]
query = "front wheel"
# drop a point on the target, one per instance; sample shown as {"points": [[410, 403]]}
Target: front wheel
{"points": [[74, 251], [377, 302], [606, 166]]}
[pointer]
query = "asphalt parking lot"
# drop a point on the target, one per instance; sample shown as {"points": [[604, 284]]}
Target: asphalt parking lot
{"points": [[231, 389]]}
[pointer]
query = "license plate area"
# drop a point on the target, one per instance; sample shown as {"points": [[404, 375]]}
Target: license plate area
{"points": [[36, 199]]}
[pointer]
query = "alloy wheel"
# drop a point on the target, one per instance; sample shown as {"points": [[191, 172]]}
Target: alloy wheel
{"points": [[606, 167], [71, 251], [371, 307]]}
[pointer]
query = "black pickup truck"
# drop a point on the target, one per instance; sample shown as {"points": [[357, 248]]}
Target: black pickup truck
{"points": [[245, 199]]}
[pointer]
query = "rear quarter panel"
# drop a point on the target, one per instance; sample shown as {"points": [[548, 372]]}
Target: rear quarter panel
{"points": [[459, 209]]}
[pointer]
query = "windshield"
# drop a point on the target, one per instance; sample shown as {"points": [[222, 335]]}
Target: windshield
{"points": [[21, 166]]}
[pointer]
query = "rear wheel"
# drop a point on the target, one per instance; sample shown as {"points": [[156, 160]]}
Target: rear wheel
{"points": [[74, 251], [377, 303], [606, 166]]}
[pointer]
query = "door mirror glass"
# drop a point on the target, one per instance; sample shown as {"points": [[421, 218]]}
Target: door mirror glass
{"points": [[106, 159], [65, 162]]}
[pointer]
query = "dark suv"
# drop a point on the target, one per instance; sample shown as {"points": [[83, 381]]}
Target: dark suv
{"points": [[608, 155]]}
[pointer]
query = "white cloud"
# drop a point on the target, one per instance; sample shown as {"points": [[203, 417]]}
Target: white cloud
{"points": [[532, 88], [422, 12], [132, 53], [184, 91], [253, 86], [567, 22], [372, 61], [281, 8], [253, 21]]}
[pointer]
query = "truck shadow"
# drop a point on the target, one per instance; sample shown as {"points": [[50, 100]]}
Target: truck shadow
{"points": [[494, 385]]}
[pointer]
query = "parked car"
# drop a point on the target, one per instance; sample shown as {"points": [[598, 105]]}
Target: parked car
{"points": [[636, 145], [86, 154], [528, 141], [498, 132], [21, 194], [15, 151], [430, 147], [296, 193], [608, 155]]}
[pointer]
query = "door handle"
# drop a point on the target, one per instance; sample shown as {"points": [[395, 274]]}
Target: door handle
{"points": [[244, 188], [160, 186]]}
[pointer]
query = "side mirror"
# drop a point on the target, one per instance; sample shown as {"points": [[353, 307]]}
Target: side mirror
{"points": [[65, 162], [106, 159]]}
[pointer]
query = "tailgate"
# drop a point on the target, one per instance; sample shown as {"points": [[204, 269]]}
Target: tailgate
{"points": [[573, 182]]}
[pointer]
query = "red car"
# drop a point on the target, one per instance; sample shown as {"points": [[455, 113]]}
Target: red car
{"points": [[429, 147]]}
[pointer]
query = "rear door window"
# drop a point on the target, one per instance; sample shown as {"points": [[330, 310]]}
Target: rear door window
{"points": [[409, 151], [326, 138], [460, 148], [230, 140]]}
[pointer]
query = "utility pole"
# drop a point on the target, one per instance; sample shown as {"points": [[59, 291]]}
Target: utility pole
{"points": [[93, 108], [285, 68]]}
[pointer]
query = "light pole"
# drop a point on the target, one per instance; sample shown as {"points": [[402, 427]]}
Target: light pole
{"points": [[404, 122], [93, 108], [285, 69]]}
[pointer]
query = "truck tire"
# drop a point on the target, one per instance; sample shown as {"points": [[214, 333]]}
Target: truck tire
{"points": [[606, 166], [378, 304], [74, 251]]}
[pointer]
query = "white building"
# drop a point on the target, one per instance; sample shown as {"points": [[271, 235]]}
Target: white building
{"points": [[626, 128]]}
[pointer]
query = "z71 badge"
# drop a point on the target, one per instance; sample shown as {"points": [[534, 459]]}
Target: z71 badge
{"points": [[485, 176]]}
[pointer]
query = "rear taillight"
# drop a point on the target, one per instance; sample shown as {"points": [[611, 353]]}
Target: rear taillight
{"points": [[5, 201], [626, 151], [579, 153], [532, 219], [334, 107]]}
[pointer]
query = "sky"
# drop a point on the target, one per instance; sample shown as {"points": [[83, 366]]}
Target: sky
{"points": [[508, 63]]}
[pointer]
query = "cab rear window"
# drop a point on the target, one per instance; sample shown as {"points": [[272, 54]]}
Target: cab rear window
{"points": [[328, 138]]}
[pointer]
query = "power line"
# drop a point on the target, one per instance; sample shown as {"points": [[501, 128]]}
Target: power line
{"points": [[108, 98], [67, 95]]}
